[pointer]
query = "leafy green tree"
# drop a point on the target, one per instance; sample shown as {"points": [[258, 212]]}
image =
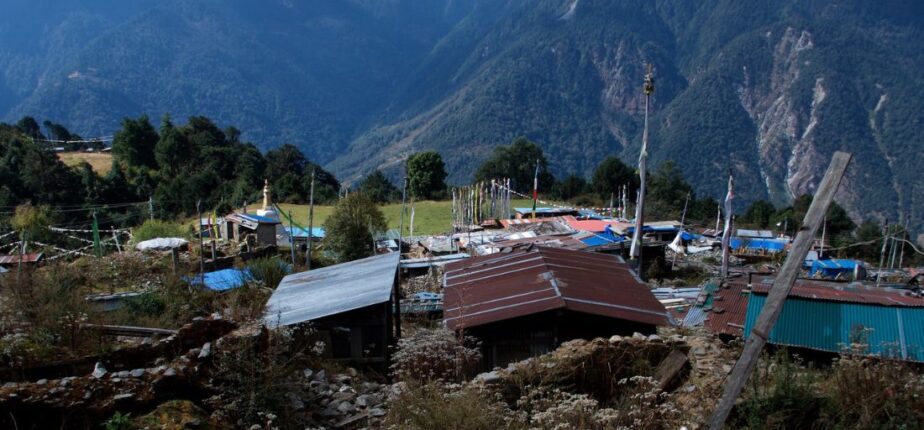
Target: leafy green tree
{"points": [[378, 188], [30, 127], [570, 187], [426, 175], [610, 175], [759, 214], [868, 231], [667, 191], [134, 143], [32, 221], [172, 149], [351, 228], [517, 162]]}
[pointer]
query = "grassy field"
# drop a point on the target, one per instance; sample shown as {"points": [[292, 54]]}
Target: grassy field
{"points": [[101, 162], [429, 217]]}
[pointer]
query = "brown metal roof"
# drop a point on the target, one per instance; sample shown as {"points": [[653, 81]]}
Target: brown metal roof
{"points": [[840, 292], [497, 287], [28, 258], [729, 308]]}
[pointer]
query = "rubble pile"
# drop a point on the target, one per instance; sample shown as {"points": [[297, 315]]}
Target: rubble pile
{"points": [[343, 401]]}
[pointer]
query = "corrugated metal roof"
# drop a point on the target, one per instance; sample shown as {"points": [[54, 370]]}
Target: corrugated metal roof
{"points": [[545, 210], [729, 307], [891, 331], [492, 288], [27, 258], [695, 317], [331, 290], [299, 232], [840, 292], [591, 225], [556, 241], [765, 234]]}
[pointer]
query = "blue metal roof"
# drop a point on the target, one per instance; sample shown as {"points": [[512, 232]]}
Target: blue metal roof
{"points": [[258, 218], [299, 232], [891, 331], [597, 239]]}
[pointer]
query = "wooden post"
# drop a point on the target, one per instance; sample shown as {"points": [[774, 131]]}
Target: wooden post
{"points": [[398, 275], [310, 221], [780, 289], [115, 237], [292, 241], [201, 246]]}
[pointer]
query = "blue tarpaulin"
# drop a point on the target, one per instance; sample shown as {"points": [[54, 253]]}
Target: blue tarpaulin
{"points": [[833, 267], [221, 280], [769, 245], [597, 239]]}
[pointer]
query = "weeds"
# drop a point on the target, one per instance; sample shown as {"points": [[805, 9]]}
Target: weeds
{"points": [[435, 354]]}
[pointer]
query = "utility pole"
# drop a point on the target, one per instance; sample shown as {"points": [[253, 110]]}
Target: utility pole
{"points": [[310, 220], [636, 251], [782, 285], [901, 256], [398, 276], [885, 242]]}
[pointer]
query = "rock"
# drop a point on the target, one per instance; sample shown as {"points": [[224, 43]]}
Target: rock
{"points": [[367, 400], [88, 395], [615, 338], [255, 427], [41, 382], [320, 376], [377, 412], [10, 385], [343, 379], [726, 368], [699, 351], [487, 378], [654, 338], [116, 380], [170, 372], [137, 373], [344, 396], [99, 370], [122, 396], [638, 336], [122, 374], [345, 407], [206, 350], [308, 373]]}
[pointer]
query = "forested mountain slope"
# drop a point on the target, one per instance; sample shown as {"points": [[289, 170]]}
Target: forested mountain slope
{"points": [[768, 90]]}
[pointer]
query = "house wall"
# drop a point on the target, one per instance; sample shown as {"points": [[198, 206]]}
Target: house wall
{"points": [[516, 339], [266, 234], [360, 336]]}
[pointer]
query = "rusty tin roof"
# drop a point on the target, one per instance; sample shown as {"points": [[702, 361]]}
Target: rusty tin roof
{"points": [[502, 286]]}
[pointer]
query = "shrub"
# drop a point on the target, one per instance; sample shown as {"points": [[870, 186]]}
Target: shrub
{"points": [[780, 396], [153, 229], [436, 406], [868, 393], [267, 271], [258, 375], [434, 354]]}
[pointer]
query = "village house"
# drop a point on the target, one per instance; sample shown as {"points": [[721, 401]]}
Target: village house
{"points": [[527, 302], [349, 306]]}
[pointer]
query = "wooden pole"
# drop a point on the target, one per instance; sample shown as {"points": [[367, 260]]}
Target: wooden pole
{"points": [[310, 220], [201, 246], [292, 241], [398, 275], [780, 289]]}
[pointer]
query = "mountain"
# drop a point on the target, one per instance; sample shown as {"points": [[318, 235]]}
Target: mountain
{"points": [[768, 90]]}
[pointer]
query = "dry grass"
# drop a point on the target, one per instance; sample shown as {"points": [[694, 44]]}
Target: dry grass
{"points": [[101, 162]]}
